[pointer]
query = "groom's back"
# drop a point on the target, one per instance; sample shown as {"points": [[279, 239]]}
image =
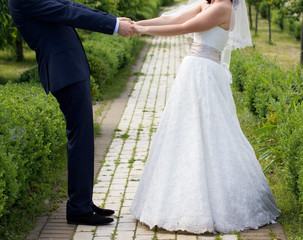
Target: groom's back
{"points": [[59, 52]]}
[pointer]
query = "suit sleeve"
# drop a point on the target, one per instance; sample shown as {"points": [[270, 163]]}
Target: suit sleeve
{"points": [[78, 5], [68, 13]]}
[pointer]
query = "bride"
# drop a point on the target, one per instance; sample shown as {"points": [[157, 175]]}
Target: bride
{"points": [[202, 174]]}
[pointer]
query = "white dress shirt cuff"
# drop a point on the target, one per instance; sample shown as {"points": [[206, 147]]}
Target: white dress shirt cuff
{"points": [[117, 26]]}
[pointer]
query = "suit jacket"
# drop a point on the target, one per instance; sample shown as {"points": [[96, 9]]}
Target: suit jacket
{"points": [[48, 28]]}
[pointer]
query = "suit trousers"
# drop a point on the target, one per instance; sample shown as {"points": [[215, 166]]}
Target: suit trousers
{"points": [[76, 105]]}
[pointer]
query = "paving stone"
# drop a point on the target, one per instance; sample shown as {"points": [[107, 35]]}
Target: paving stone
{"points": [[83, 236], [84, 228], [144, 237], [144, 230], [230, 237], [205, 238], [162, 236], [54, 236], [186, 237], [126, 226], [127, 219], [105, 231], [125, 235]]}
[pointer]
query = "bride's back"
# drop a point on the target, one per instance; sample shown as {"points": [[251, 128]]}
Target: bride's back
{"points": [[215, 37]]}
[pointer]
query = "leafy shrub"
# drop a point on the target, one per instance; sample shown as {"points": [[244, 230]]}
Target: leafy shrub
{"points": [[30, 75], [254, 75], [149, 10], [106, 55], [297, 30], [135, 9], [2, 80], [167, 2], [263, 8], [275, 97], [32, 131], [291, 134], [278, 18], [9, 186]]}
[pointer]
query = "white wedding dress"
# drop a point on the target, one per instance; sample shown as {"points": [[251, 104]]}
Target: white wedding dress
{"points": [[202, 174]]}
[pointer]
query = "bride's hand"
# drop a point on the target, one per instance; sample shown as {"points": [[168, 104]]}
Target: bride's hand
{"points": [[140, 29]]}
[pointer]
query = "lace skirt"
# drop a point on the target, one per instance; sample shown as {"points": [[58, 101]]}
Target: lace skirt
{"points": [[202, 174]]}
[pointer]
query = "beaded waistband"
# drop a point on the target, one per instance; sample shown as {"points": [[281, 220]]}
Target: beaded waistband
{"points": [[204, 51]]}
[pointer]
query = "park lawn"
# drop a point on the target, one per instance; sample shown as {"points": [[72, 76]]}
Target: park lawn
{"points": [[10, 70], [285, 49]]}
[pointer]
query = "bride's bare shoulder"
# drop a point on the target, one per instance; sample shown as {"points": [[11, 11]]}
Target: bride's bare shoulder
{"points": [[221, 9], [223, 6]]}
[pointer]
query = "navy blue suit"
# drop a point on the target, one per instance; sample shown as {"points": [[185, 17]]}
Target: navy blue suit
{"points": [[48, 28]]}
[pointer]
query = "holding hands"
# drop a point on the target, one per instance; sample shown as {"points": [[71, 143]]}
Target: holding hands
{"points": [[128, 28], [140, 29]]}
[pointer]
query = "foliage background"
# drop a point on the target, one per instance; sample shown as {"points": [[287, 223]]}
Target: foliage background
{"points": [[274, 97], [32, 128]]}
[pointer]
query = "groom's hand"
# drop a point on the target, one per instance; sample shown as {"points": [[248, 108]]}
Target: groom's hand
{"points": [[126, 27], [125, 19]]}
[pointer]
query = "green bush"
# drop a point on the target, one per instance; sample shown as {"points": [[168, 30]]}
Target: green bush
{"points": [[30, 75], [106, 55], [2, 80], [135, 9], [167, 2], [291, 147], [255, 76], [297, 30], [32, 131], [278, 18], [291, 25], [263, 8], [149, 10], [275, 97]]}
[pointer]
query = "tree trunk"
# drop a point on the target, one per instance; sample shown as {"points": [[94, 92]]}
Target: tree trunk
{"points": [[19, 48], [269, 23], [250, 17], [257, 16], [302, 42]]}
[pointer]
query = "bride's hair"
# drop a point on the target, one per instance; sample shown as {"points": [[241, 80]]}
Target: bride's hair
{"points": [[209, 1]]}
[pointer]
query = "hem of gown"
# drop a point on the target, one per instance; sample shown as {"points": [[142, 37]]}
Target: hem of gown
{"points": [[151, 226]]}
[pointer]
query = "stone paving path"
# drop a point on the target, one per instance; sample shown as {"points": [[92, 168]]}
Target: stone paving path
{"points": [[122, 166], [121, 170]]}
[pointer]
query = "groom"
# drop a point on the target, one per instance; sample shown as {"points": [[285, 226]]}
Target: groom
{"points": [[48, 28]]}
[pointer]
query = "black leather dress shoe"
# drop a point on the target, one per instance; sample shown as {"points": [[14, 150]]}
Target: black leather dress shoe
{"points": [[103, 212], [90, 218]]}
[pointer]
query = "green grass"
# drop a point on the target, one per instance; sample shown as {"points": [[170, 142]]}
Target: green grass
{"points": [[10, 69], [287, 203], [285, 49]]}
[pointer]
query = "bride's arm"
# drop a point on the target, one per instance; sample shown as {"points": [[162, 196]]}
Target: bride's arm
{"points": [[214, 16], [174, 19]]}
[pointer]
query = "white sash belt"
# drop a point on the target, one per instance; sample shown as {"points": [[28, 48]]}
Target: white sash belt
{"points": [[204, 51]]}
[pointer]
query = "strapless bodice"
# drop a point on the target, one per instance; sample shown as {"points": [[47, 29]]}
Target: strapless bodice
{"points": [[215, 37]]}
